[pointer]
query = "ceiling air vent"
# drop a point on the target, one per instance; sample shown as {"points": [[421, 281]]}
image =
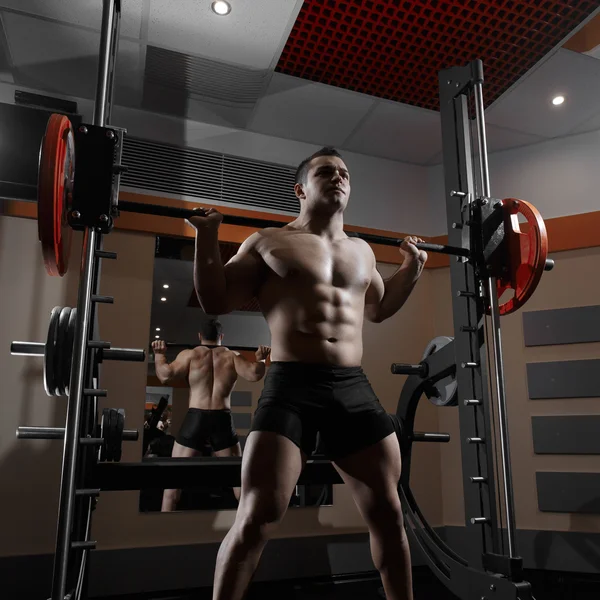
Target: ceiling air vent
{"points": [[210, 79], [208, 176]]}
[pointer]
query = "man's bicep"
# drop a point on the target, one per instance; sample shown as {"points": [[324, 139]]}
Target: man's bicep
{"points": [[374, 295]]}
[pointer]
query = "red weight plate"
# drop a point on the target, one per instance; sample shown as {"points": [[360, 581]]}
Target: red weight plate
{"points": [[55, 184], [526, 253]]}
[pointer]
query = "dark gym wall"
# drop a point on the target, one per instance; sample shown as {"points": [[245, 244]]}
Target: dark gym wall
{"points": [[29, 295]]}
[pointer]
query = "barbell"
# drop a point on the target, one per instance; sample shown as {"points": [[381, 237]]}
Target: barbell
{"points": [[517, 266]]}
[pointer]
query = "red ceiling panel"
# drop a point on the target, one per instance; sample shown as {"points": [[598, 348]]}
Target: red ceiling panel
{"points": [[394, 48]]}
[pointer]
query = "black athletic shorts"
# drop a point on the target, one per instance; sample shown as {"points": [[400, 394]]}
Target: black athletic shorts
{"points": [[207, 427], [300, 400]]}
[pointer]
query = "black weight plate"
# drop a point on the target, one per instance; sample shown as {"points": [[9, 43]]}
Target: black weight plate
{"points": [[50, 352], [69, 346], [104, 427], [445, 391], [110, 433], [118, 439], [62, 352]]}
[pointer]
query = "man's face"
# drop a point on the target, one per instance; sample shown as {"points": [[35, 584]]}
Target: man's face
{"points": [[327, 184]]}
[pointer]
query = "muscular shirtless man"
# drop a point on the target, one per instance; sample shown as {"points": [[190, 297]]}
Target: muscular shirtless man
{"points": [[314, 285], [211, 374]]}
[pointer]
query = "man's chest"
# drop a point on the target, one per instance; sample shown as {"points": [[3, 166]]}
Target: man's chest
{"points": [[299, 257]]}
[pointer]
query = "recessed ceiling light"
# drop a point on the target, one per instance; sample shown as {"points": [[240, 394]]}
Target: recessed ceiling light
{"points": [[558, 100], [158, 329], [163, 299], [221, 7], [157, 337], [166, 286]]}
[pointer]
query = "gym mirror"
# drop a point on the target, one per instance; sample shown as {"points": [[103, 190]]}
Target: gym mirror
{"points": [[229, 389]]}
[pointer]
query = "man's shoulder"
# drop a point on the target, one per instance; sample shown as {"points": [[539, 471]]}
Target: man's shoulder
{"points": [[360, 243], [261, 235]]}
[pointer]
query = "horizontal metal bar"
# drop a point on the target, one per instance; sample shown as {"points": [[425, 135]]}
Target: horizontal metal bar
{"points": [[95, 344], [124, 354], [27, 348], [40, 433], [90, 441], [192, 346], [177, 473], [105, 254], [103, 299], [91, 493], [186, 213], [418, 436], [95, 393], [58, 433], [402, 369], [89, 545]]}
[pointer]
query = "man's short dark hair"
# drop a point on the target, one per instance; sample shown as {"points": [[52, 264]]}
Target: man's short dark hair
{"points": [[304, 166], [211, 330]]}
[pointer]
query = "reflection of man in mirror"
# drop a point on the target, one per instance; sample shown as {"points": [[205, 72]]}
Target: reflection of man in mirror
{"points": [[211, 371]]}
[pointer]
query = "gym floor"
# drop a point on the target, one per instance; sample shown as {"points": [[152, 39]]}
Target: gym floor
{"points": [[547, 585]]}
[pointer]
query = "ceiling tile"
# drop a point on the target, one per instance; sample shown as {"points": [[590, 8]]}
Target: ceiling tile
{"points": [[528, 107], [251, 35], [592, 124], [499, 138], [86, 13], [308, 112], [398, 132], [68, 67]]}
